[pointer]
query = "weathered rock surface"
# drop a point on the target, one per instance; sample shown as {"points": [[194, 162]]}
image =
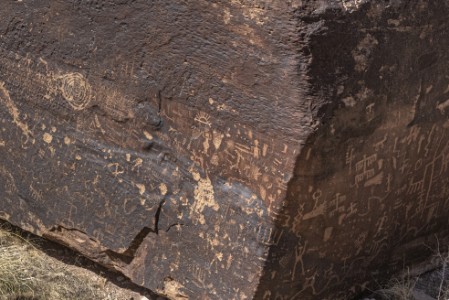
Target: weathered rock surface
{"points": [[229, 150]]}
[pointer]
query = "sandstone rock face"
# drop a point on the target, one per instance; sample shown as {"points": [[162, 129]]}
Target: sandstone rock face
{"points": [[229, 149]]}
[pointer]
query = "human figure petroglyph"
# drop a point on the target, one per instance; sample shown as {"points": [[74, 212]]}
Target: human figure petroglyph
{"points": [[318, 209], [300, 250], [308, 283]]}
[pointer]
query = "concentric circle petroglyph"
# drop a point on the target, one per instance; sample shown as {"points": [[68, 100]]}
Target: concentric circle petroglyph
{"points": [[76, 90]]}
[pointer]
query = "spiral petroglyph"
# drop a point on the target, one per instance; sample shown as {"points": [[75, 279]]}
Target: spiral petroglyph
{"points": [[76, 90]]}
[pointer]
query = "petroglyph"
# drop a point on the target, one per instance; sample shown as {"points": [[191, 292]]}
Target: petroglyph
{"points": [[351, 5], [173, 289], [204, 196], [48, 138], [75, 89], [14, 111], [163, 189], [8, 181], [203, 118]]}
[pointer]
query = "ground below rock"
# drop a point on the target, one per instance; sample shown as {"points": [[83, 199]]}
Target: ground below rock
{"points": [[32, 268]]}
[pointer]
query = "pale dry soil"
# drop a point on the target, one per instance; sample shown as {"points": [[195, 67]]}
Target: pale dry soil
{"points": [[35, 269]]}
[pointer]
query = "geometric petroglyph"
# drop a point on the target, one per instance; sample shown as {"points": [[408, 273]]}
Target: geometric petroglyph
{"points": [[75, 89], [5, 98], [203, 118]]}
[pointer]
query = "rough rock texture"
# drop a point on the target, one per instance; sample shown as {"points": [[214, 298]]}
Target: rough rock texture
{"points": [[237, 149]]}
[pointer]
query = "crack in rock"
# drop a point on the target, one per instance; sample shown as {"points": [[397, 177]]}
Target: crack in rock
{"points": [[128, 256]]}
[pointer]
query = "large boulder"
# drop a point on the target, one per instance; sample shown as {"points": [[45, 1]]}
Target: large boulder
{"points": [[229, 149]]}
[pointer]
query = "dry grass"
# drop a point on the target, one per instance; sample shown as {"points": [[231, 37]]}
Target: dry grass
{"points": [[443, 292], [28, 273], [398, 290], [437, 284]]}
